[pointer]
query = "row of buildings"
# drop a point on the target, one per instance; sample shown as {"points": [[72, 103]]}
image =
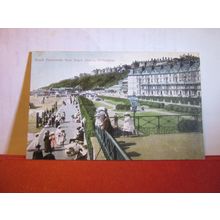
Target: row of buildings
{"points": [[179, 77], [166, 77], [118, 69]]}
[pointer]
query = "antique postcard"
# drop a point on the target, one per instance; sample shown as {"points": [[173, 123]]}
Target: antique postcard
{"points": [[115, 106]]}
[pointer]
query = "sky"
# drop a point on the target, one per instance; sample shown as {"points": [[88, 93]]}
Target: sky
{"points": [[54, 66]]}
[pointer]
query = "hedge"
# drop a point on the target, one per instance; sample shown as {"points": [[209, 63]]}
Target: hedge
{"points": [[183, 109], [123, 107], [152, 104], [182, 100], [188, 125], [88, 111], [116, 99]]}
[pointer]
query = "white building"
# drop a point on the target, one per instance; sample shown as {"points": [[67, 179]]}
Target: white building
{"points": [[179, 77]]}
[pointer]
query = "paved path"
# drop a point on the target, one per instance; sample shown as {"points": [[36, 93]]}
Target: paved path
{"points": [[70, 127]]}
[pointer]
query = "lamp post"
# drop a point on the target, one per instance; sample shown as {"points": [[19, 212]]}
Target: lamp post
{"points": [[134, 103]]}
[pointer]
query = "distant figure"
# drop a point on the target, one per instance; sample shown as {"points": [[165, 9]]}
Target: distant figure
{"points": [[38, 154], [57, 120], [47, 145], [106, 125], [98, 121], [58, 135], [63, 137], [52, 139], [84, 122], [43, 100], [79, 135], [63, 117], [128, 127], [36, 140], [115, 121], [53, 120]]}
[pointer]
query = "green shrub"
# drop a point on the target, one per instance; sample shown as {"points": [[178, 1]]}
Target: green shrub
{"points": [[168, 107], [116, 99], [188, 125], [123, 107], [88, 110], [183, 109], [152, 104]]}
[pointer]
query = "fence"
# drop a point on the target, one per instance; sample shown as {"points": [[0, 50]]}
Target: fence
{"points": [[110, 147], [163, 124]]}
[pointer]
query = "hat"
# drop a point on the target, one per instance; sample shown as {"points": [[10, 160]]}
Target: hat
{"points": [[59, 127], [126, 113], [38, 146], [101, 113], [52, 133], [97, 115], [37, 134], [101, 109]]}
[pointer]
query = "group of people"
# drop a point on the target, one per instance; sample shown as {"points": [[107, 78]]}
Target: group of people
{"points": [[54, 139], [55, 120], [72, 99], [103, 121], [76, 149]]}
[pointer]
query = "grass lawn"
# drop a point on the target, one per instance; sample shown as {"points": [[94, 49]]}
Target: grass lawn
{"points": [[100, 104], [115, 100], [152, 124]]}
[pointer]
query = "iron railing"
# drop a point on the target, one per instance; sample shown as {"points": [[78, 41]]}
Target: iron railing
{"points": [[110, 147], [160, 124]]}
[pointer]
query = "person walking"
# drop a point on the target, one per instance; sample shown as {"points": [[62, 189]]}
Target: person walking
{"points": [[52, 139], [46, 139], [58, 135], [63, 137]]}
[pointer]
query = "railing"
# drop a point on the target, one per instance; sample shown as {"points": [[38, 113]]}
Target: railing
{"points": [[162, 124], [110, 147]]}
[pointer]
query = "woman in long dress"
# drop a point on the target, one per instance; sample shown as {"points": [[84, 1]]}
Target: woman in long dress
{"points": [[128, 127], [58, 135], [53, 142]]}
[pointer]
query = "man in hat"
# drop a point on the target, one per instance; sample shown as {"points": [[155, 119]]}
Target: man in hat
{"points": [[47, 146], [38, 154]]}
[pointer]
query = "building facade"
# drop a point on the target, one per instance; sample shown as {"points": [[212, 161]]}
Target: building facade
{"points": [[178, 77]]}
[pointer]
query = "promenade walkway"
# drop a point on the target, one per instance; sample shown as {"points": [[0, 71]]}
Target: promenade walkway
{"points": [[70, 127]]}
